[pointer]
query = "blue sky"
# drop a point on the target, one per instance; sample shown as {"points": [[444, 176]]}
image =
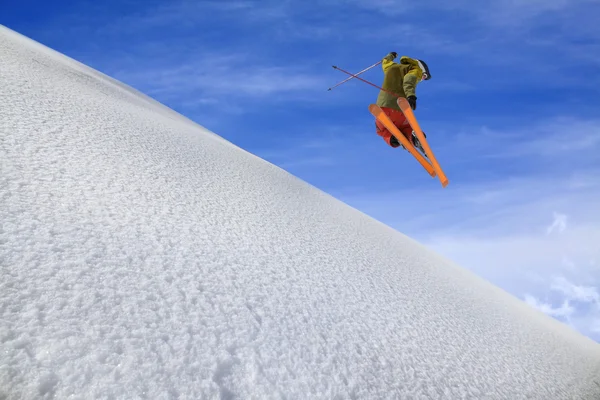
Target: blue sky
{"points": [[511, 112]]}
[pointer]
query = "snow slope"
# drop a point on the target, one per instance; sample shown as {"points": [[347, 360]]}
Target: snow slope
{"points": [[142, 257]]}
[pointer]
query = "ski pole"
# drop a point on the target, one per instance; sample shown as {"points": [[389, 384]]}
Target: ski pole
{"points": [[358, 73], [365, 81]]}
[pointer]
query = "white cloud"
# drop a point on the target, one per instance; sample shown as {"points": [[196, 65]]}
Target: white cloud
{"points": [[222, 78], [303, 154], [580, 305], [573, 292], [191, 13], [564, 311], [534, 266], [558, 141], [502, 13], [559, 224]]}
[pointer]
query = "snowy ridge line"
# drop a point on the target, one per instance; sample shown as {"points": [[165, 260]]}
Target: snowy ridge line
{"points": [[133, 93], [141, 257]]}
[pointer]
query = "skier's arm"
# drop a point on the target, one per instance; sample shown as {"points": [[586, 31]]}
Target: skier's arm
{"points": [[410, 84], [412, 77], [388, 61]]}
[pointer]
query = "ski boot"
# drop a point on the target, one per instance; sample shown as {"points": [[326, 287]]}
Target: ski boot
{"points": [[417, 143], [394, 142]]}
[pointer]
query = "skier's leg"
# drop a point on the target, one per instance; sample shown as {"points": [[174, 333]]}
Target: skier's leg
{"points": [[401, 122], [386, 134], [403, 125]]}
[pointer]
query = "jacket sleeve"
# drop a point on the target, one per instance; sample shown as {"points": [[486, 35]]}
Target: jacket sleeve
{"points": [[412, 77], [410, 84], [387, 62]]}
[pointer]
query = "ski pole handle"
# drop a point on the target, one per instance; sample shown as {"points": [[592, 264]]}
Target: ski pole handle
{"points": [[358, 73]]}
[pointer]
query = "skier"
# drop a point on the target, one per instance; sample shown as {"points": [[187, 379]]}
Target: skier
{"points": [[400, 78]]}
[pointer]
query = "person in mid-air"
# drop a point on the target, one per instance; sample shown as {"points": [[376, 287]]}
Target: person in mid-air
{"points": [[400, 78]]}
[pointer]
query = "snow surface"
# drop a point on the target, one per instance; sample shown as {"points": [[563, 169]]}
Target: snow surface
{"points": [[145, 257]]}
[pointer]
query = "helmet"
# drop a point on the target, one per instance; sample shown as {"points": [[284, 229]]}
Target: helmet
{"points": [[425, 69]]}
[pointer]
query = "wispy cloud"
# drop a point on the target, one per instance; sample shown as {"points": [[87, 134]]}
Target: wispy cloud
{"points": [[573, 292], [230, 82], [563, 312], [502, 13], [304, 155], [553, 142], [185, 15], [580, 306], [225, 76], [560, 271], [559, 224], [517, 39], [258, 36], [536, 239]]}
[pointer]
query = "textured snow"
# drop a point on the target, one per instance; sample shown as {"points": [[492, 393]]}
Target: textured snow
{"points": [[143, 256]]}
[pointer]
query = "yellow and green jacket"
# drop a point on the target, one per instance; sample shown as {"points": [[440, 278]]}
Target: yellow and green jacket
{"points": [[400, 78]]}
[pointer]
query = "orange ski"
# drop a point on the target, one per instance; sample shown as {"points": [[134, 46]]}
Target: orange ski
{"points": [[387, 122], [410, 116]]}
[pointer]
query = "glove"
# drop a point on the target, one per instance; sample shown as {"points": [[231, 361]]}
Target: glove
{"points": [[394, 54], [412, 100]]}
